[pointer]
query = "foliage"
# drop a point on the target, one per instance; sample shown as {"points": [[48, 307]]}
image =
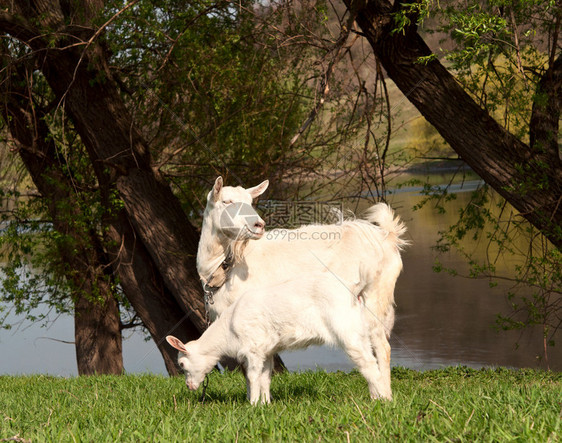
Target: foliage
{"points": [[453, 403], [498, 49], [227, 90], [23, 248], [36, 269], [501, 51], [210, 88]]}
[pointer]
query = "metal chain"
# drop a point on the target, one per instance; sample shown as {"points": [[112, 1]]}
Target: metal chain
{"points": [[208, 301], [203, 394]]}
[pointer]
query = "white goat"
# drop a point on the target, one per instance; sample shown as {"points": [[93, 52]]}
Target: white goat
{"points": [[290, 315], [359, 252]]}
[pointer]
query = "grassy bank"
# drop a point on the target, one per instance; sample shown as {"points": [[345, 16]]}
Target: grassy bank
{"points": [[451, 404]]}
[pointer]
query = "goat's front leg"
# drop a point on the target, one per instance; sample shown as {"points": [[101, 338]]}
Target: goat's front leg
{"points": [[254, 370], [265, 380], [244, 369]]}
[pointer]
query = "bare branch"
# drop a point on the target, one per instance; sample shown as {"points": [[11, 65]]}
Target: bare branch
{"points": [[324, 86]]}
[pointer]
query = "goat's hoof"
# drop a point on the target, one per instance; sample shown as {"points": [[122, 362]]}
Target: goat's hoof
{"points": [[387, 397]]}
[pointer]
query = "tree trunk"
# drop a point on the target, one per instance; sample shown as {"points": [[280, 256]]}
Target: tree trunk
{"points": [[97, 333], [159, 243], [111, 138], [528, 177], [97, 321], [147, 293], [81, 81], [139, 279]]}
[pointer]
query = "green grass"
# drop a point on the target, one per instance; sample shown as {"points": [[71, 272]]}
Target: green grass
{"points": [[454, 404]]}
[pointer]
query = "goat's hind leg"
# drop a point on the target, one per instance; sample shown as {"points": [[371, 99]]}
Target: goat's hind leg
{"points": [[379, 334], [367, 365], [381, 348], [358, 349], [379, 318]]}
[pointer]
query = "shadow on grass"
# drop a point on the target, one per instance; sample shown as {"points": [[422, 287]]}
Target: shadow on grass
{"points": [[282, 389], [297, 389]]}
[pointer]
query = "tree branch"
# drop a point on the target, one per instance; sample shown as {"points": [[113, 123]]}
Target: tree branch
{"points": [[324, 86], [545, 115], [18, 27], [528, 178]]}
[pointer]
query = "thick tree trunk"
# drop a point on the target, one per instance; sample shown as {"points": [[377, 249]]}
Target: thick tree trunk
{"points": [[137, 274], [97, 333], [530, 178], [111, 139], [147, 293], [97, 322], [159, 243], [78, 77]]}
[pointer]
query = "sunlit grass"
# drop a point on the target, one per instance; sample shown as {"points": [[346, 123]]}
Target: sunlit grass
{"points": [[451, 404]]}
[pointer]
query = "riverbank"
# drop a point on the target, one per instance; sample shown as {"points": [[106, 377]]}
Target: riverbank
{"points": [[450, 404]]}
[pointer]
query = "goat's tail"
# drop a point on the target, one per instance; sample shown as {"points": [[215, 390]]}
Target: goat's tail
{"points": [[383, 215]]}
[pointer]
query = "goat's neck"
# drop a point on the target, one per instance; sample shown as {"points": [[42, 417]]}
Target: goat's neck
{"points": [[217, 341], [210, 253]]}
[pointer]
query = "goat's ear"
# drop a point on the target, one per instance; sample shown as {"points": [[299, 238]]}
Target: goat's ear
{"points": [[217, 187], [258, 190], [176, 343]]}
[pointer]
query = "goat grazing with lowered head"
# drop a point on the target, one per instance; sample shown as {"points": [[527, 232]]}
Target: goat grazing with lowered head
{"points": [[235, 257], [290, 315]]}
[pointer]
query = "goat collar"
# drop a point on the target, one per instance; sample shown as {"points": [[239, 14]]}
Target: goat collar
{"points": [[218, 277]]}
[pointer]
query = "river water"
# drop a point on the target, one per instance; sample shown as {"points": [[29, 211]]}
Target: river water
{"points": [[441, 320]]}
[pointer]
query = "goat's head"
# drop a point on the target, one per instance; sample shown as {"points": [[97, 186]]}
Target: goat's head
{"points": [[230, 212], [195, 369]]}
